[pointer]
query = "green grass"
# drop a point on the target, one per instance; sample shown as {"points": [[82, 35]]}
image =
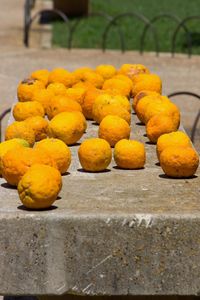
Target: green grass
{"points": [[89, 32]]}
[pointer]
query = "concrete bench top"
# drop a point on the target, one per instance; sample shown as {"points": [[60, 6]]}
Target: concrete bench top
{"points": [[117, 232], [113, 233]]}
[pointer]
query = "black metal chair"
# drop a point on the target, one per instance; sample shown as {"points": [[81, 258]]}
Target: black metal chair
{"points": [[2, 116], [196, 121]]}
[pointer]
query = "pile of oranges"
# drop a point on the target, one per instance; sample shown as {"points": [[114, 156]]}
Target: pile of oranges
{"points": [[52, 112]]}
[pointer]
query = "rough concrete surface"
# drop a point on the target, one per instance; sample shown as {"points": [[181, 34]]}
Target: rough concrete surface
{"points": [[117, 232]]}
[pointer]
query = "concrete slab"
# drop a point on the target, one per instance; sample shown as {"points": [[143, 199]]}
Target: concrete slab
{"points": [[112, 233]]}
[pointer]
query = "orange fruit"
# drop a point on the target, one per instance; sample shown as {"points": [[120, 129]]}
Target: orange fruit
{"points": [[105, 99], [16, 162], [39, 126], [164, 107], [106, 71], [90, 96], [39, 187], [117, 86], [143, 104], [79, 73], [76, 94], [149, 82], [95, 154], [113, 109], [25, 110], [27, 87], [129, 154], [141, 95], [179, 162], [68, 127], [93, 78], [9, 145], [177, 138], [43, 96], [60, 104], [83, 85], [158, 125], [131, 70], [63, 76], [20, 130], [58, 150], [106, 104], [113, 129], [124, 78], [57, 88], [41, 75]]}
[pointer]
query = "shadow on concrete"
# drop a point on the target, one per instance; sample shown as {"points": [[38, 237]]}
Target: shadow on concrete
{"points": [[164, 176], [84, 171], [66, 174], [8, 186], [22, 207], [125, 169], [139, 124], [74, 145]]}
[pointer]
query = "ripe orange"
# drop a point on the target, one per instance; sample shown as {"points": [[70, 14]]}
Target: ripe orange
{"points": [[27, 87], [79, 73], [158, 125], [25, 110], [57, 88], [39, 126], [95, 154], [68, 127], [60, 104], [16, 162], [43, 96], [124, 78], [113, 109], [178, 138], [141, 95], [132, 70], [58, 150], [93, 78], [117, 86], [106, 104], [106, 71], [142, 105], [39, 187], [179, 162], [83, 85], [76, 94], [90, 96], [63, 76], [41, 75], [164, 107], [9, 145], [129, 154], [150, 82], [113, 129], [20, 130]]}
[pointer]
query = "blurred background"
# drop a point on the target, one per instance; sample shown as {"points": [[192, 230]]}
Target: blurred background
{"points": [[122, 24]]}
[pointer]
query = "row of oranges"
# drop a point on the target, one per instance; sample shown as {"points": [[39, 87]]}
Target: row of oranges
{"points": [[68, 99]]}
